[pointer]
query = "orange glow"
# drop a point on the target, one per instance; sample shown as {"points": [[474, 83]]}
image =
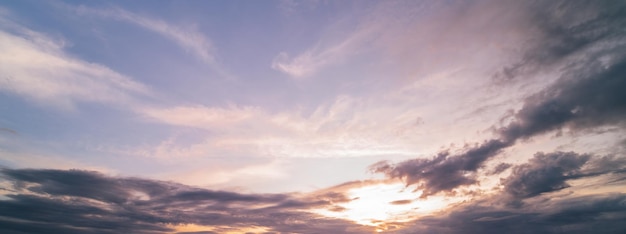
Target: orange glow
{"points": [[220, 229]]}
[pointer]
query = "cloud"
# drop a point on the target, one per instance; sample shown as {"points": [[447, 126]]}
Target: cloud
{"points": [[443, 172], [584, 97], [8, 130], [500, 168], [549, 172], [581, 26], [557, 36], [205, 117], [588, 94], [400, 202], [544, 173], [322, 55], [291, 7], [186, 37], [587, 214], [36, 67], [74, 201], [330, 130], [587, 100], [312, 60]]}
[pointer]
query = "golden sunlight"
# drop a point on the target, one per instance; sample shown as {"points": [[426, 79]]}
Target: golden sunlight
{"points": [[381, 204]]}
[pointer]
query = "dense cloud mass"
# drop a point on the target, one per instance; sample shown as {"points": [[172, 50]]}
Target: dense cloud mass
{"points": [[588, 214], [74, 201], [589, 93], [582, 98], [544, 173], [521, 206], [443, 172], [577, 29]]}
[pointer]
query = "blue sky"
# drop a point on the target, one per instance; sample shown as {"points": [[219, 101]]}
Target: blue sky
{"points": [[412, 100]]}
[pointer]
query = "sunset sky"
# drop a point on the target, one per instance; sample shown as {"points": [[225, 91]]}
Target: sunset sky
{"points": [[498, 116]]}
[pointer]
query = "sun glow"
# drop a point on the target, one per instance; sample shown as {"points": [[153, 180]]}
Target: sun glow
{"points": [[384, 203], [195, 228]]}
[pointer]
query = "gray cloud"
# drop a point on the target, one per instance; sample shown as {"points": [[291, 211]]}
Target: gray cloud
{"points": [[544, 173], [549, 172], [74, 201], [500, 168], [578, 28], [582, 98], [443, 172], [588, 214], [8, 130], [589, 93]]}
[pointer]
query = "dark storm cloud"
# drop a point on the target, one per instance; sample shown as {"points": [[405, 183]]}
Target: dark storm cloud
{"points": [[589, 93], [74, 201]]}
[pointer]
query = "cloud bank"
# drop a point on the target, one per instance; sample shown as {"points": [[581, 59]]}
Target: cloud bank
{"points": [[588, 94], [75, 201]]}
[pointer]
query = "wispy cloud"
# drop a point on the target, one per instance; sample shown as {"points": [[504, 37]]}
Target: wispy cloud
{"points": [[322, 55], [291, 7], [184, 36], [8, 130], [35, 66], [332, 130]]}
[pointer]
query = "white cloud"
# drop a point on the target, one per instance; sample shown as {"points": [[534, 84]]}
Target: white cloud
{"points": [[35, 66], [348, 127], [184, 36], [203, 117], [293, 7], [217, 177], [51, 161], [318, 57]]}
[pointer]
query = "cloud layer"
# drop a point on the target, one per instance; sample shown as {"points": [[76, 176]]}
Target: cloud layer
{"points": [[77, 201], [588, 94]]}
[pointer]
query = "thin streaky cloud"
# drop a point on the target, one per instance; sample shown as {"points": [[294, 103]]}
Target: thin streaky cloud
{"points": [[320, 56], [36, 67], [187, 38], [330, 131], [8, 130]]}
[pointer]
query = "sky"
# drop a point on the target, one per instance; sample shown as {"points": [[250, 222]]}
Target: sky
{"points": [[313, 116]]}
